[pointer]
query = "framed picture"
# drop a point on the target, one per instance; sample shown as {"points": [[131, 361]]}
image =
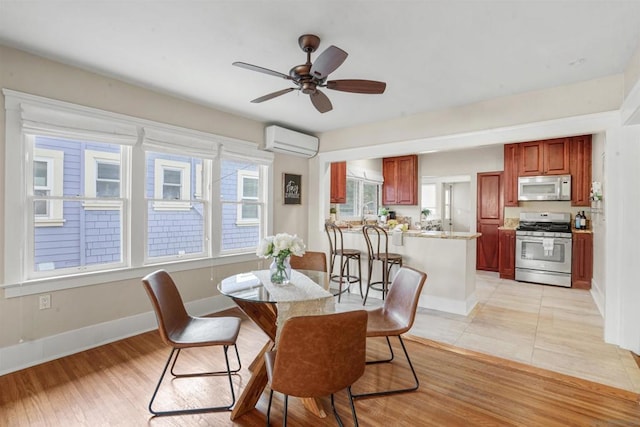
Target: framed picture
{"points": [[291, 187]]}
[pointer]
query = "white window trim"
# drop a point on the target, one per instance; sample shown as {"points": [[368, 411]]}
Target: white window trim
{"points": [[242, 174], [185, 189], [91, 159], [55, 172]]}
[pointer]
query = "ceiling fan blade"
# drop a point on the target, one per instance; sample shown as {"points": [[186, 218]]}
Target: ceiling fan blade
{"points": [[357, 86], [327, 62], [321, 101], [273, 95], [261, 70]]}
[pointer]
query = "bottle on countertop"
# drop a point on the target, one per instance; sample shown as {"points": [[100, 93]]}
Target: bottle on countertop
{"points": [[578, 221], [583, 221]]}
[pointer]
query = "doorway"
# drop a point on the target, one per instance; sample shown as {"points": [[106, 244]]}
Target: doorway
{"points": [[456, 206]]}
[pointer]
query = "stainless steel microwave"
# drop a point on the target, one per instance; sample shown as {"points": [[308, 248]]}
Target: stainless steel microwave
{"points": [[546, 187]]}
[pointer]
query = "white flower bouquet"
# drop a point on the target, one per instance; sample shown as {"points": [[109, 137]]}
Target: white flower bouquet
{"points": [[280, 247]]}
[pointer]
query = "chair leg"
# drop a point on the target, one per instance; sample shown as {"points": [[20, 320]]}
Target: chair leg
{"points": [[353, 407], [172, 360], [359, 274], [269, 408], [395, 391], [370, 270], [335, 412], [286, 404]]}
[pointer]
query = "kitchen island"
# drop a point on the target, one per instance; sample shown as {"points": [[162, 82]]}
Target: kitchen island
{"points": [[448, 258]]}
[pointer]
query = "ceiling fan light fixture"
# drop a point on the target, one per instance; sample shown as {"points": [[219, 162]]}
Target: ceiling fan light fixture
{"points": [[309, 76]]}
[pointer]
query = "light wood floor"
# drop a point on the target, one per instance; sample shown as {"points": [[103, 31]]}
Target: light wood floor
{"points": [[111, 386]]}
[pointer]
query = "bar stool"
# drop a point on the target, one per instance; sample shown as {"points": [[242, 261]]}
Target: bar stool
{"points": [[336, 249], [378, 247]]}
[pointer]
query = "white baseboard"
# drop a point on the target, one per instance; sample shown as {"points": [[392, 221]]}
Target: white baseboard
{"points": [[449, 305], [31, 353]]}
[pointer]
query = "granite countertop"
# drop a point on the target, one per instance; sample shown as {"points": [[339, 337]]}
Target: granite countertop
{"points": [[425, 234]]}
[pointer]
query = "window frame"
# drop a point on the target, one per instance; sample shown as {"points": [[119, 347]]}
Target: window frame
{"points": [[161, 204], [359, 203], [91, 160], [242, 199], [55, 167]]}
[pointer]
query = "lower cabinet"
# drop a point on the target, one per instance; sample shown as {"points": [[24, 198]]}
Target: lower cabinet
{"points": [[582, 260], [507, 254]]}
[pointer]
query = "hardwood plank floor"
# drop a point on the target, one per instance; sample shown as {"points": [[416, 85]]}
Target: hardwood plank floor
{"points": [[111, 386]]}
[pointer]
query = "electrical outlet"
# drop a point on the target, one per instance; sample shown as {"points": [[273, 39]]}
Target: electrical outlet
{"points": [[45, 301]]}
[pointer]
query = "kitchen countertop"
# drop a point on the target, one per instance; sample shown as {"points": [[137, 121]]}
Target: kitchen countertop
{"points": [[426, 234], [588, 231]]}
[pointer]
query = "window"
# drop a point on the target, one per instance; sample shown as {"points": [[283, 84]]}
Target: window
{"points": [[242, 190], [171, 181], [248, 191], [47, 182], [103, 192], [177, 223], [430, 200], [90, 234], [362, 198], [102, 176]]}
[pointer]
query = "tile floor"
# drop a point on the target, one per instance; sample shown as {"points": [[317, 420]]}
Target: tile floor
{"points": [[549, 327]]}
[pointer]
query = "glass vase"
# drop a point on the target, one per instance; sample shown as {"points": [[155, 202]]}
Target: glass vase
{"points": [[280, 270]]}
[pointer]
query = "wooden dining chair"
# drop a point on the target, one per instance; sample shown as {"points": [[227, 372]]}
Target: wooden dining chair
{"points": [[179, 330], [318, 356], [316, 261], [394, 318]]}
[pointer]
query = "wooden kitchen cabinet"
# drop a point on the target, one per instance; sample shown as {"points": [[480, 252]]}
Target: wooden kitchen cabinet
{"points": [[400, 185], [580, 163], [339, 182], [582, 260], [507, 254], [549, 157], [510, 177]]}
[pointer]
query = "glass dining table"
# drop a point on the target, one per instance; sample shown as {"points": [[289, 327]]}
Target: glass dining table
{"points": [[254, 299]]}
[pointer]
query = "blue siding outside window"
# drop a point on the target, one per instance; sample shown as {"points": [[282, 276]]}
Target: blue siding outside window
{"points": [[235, 236]]}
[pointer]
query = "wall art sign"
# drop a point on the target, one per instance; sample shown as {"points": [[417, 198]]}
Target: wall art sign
{"points": [[292, 189]]}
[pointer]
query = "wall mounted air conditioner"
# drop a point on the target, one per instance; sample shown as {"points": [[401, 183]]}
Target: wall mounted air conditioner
{"points": [[288, 141]]}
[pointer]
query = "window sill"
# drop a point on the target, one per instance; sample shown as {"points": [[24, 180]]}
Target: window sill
{"points": [[33, 287]]}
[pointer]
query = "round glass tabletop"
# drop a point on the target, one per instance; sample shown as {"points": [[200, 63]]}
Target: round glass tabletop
{"points": [[248, 287]]}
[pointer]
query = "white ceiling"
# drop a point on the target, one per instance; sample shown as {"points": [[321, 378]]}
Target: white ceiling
{"points": [[432, 54]]}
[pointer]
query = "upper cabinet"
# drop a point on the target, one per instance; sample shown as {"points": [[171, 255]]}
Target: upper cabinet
{"points": [[400, 185], [511, 162], [339, 182], [580, 170], [561, 156], [550, 157]]}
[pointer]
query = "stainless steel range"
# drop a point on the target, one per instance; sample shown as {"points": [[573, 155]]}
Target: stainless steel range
{"points": [[543, 248]]}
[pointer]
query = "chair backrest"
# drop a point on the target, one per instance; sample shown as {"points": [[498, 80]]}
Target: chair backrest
{"points": [[310, 261], [167, 303], [402, 300], [377, 240], [320, 355], [335, 237]]}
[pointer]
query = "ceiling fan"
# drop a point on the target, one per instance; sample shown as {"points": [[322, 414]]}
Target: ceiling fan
{"points": [[309, 77]]}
